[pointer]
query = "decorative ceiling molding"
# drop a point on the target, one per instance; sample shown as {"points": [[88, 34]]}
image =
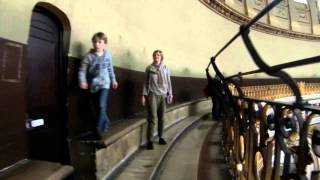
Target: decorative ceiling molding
{"points": [[239, 18]]}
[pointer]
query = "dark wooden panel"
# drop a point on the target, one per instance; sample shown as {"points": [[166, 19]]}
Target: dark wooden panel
{"points": [[42, 70], [11, 62], [12, 103], [13, 150]]}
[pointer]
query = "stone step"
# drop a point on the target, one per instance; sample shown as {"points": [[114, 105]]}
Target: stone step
{"points": [[37, 170]]}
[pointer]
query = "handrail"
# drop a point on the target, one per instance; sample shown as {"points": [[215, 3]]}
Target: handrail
{"points": [[246, 27], [266, 68], [306, 61]]}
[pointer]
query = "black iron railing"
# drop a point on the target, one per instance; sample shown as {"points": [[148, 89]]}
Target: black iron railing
{"points": [[267, 139]]}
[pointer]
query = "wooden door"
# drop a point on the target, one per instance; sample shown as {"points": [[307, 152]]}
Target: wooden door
{"points": [[45, 89]]}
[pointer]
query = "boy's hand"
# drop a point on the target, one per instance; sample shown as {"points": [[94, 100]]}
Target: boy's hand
{"points": [[169, 99], [114, 84], [143, 101], [83, 85]]}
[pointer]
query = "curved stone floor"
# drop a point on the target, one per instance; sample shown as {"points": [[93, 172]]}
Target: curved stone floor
{"points": [[196, 155], [145, 162], [193, 152]]}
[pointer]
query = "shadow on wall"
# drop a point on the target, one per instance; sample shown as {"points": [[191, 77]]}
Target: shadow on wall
{"points": [[186, 71], [73, 66], [79, 117], [78, 49], [186, 88], [125, 101]]}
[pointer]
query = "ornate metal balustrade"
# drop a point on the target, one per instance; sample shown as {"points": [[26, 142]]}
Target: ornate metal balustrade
{"points": [[271, 92], [264, 139]]}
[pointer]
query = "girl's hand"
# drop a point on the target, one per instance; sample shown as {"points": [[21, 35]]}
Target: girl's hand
{"points": [[83, 85], [143, 101]]}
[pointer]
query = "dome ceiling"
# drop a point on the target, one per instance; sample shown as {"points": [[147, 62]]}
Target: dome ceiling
{"points": [[298, 19]]}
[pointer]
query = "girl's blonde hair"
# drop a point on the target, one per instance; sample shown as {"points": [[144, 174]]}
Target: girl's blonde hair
{"points": [[158, 51]]}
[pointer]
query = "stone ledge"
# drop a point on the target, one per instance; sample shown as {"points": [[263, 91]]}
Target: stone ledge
{"points": [[37, 170]]}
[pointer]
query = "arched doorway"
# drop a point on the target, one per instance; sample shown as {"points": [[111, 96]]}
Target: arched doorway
{"points": [[46, 87]]}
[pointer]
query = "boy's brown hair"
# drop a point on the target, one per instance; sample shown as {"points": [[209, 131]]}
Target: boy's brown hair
{"points": [[99, 35]]}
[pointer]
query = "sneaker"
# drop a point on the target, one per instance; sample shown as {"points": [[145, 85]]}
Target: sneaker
{"points": [[150, 145], [162, 141]]}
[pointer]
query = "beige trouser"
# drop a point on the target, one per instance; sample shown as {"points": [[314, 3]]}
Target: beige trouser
{"points": [[156, 107]]}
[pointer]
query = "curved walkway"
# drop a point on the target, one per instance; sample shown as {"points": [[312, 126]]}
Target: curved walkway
{"points": [[182, 162], [193, 152], [197, 155], [146, 162], [212, 164]]}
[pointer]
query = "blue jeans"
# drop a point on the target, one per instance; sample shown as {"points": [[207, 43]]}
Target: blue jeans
{"points": [[100, 99]]}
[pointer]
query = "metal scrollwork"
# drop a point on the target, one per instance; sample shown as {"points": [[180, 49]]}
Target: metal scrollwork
{"points": [[265, 139]]}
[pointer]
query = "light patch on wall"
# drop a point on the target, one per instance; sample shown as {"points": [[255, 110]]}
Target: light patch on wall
{"points": [[301, 1]]}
